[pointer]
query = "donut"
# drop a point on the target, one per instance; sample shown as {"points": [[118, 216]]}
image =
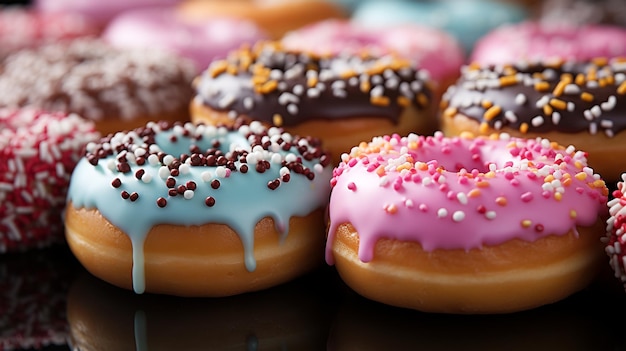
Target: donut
{"points": [[569, 102], [275, 17], [583, 12], [22, 28], [99, 13], [116, 88], [468, 225], [340, 99], [190, 210], [163, 28], [429, 48], [286, 317], [466, 20], [615, 226], [38, 152], [536, 41]]}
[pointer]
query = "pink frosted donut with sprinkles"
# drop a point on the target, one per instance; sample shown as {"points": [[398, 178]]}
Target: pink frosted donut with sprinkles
{"points": [[465, 224], [582, 103], [38, 152]]}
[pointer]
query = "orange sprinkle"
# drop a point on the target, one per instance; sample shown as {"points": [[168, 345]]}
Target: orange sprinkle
{"points": [[523, 128], [380, 171], [622, 88], [365, 86], [490, 174], [269, 86], [599, 183], [542, 86], [592, 74], [508, 80], [473, 193], [412, 145], [501, 201], [547, 110], [585, 96], [581, 176], [579, 164], [600, 61], [558, 196], [559, 88], [349, 73], [312, 81], [482, 184], [277, 119], [450, 112], [492, 112], [573, 214], [567, 78], [406, 165], [484, 128], [548, 178], [391, 209], [558, 103], [379, 100], [422, 99], [486, 104], [218, 68], [403, 101], [526, 223], [566, 181]]}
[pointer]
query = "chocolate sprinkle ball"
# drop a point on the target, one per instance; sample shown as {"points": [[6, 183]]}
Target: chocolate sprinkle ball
{"points": [[538, 97], [285, 88]]}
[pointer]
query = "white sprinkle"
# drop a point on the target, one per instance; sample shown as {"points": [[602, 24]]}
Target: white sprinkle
{"points": [[164, 172], [490, 214], [206, 176], [462, 198], [520, 99], [458, 216], [442, 212], [188, 194]]}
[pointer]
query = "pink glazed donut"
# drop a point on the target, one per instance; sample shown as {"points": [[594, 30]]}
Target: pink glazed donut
{"points": [[98, 12], [21, 29], [466, 224], [536, 41], [200, 41], [430, 48]]}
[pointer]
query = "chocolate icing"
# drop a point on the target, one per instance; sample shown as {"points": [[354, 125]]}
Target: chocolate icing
{"points": [[269, 84], [540, 97]]}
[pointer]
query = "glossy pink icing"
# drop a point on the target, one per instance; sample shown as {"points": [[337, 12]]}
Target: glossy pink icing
{"points": [[431, 48], [538, 41], [163, 28], [461, 192]]}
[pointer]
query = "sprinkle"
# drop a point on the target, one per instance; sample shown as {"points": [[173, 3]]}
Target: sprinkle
{"points": [[442, 212], [526, 223], [458, 216]]}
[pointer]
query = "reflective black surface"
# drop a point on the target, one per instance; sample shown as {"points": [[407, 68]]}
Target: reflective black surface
{"points": [[48, 301]]}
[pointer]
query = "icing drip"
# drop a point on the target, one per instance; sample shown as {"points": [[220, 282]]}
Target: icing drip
{"points": [[461, 192], [194, 175]]}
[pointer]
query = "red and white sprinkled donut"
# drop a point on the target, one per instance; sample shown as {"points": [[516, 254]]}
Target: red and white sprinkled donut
{"points": [[615, 229], [38, 152], [466, 225], [21, 28]]}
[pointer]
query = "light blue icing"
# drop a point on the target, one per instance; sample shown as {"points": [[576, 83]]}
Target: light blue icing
{"points": [[467, 20], [240, 202]]}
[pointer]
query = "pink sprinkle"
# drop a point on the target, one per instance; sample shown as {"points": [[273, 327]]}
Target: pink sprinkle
{"points": [[416, 178], [509, 175], [463, 180], [580, 190], [450, 195], [546, 194], [333, 182], [444, 187], [423, 207], [527, 196], [372, 167], [515, 151], [353, 162], [352, 186], [514, 182], [531, 175]]}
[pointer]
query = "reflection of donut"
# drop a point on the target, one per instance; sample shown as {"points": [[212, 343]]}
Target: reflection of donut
{"points": [[360, 324], [117, 89], [275, 17], [465, 225], [33, 292], [341, 99], [535, 41], [38, 152], [163, 28], [197, 210], [294, 316], [581, 103]]}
